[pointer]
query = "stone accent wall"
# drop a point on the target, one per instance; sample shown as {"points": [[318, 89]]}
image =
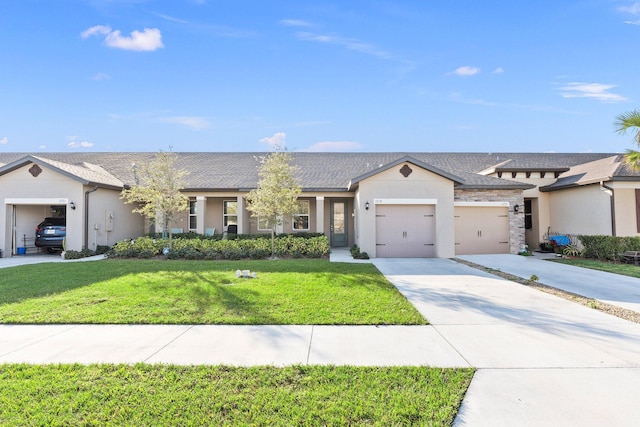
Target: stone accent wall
{"points": [[516, 220]]}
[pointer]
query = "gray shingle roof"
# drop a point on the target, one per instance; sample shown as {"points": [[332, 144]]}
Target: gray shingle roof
{"points": [[316, 171]]}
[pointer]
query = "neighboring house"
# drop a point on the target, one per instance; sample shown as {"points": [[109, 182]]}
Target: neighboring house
{"points": [[389, 204]]}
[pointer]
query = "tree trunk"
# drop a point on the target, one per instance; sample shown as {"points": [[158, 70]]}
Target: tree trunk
{"points": [[273, 237]]}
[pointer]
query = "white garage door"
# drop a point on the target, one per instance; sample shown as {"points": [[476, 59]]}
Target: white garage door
{"points": [[481, 230], [405, 231]]}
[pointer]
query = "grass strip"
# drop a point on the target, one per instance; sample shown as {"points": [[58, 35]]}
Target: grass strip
{"points": [[286, 292], [165, 395]]}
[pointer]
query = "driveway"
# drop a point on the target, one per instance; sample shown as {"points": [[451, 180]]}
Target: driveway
{"points": [[541, 360]]}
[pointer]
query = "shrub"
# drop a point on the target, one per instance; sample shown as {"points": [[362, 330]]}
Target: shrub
{"points": [[608, 247], [290, 245]]}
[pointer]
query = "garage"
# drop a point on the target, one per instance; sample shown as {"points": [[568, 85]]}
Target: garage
{"points": [[481, 229], [405, 231]]}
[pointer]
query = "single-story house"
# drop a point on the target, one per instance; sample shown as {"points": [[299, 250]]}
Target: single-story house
{"points": [[389, 204]]}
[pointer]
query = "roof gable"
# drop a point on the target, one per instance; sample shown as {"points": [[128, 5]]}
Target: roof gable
{"points": [[406, 159], [87, 174]]}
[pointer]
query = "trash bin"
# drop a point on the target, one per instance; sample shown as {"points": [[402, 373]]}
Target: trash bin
{"points": [[0, 253], [22, 251]]}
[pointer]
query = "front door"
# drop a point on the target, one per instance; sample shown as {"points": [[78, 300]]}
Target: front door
{"points": [[338, 224]]}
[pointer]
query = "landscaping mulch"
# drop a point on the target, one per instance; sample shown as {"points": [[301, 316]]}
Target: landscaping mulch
{"points": [[613, 310]]}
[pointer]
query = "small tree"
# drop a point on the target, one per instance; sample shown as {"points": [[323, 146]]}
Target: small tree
{"points": [[276, 197], [624, 122], [158, 196]]}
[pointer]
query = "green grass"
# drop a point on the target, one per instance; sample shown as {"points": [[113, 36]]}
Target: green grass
{"points": [[162, 395], [623, 269], [201, 292]]}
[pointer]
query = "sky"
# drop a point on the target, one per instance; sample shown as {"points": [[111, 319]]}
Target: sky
{"points": [[354, 76]]}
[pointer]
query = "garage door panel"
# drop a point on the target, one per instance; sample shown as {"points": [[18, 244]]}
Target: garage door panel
{"points": [[481, 230], [405, 231]]}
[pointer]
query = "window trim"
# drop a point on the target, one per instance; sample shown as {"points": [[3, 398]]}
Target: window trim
{"points": [[193, 214], [226, 216], [302, 215]]}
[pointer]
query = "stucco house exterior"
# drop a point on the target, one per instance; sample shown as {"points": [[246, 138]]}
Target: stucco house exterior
{"points": [[389, 204]]}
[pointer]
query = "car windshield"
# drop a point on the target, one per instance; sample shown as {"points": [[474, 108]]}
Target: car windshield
{"points": [[48, 222]]}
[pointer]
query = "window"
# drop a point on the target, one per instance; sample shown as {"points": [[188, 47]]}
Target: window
{"points": [[528, 220], [230, 213], [263, 224], [301, 219], [193, 215]]}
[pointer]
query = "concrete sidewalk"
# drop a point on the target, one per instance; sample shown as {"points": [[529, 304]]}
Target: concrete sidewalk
{"points": [[227, 344]]}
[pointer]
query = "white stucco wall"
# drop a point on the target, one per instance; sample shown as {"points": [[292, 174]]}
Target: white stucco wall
{"points": [[420, 184]]}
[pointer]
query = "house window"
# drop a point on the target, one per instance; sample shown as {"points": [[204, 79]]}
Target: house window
{"points": [[193, 215], [301, 219], [528, 219], [230, 213], [263, 224]]}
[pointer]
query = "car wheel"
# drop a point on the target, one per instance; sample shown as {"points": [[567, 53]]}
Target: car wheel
{"points": [[52, 250]]}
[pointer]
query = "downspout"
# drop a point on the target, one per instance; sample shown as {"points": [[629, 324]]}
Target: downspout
{"points": [[613, 206], [86, 216]]}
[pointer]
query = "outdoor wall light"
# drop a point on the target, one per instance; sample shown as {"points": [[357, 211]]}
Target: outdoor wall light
{"points": [[72, 206], [516, 208], [366, 206]]}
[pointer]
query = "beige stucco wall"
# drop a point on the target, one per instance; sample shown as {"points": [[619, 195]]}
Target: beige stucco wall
{"points": [[420, 184], [110, 220], [625, 207], [581, 210]]}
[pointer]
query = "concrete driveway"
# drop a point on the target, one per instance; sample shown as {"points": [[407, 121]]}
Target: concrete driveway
{"points": [[542, 360]]}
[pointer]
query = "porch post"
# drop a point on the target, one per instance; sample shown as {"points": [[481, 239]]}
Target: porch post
{"points": [[319, 214], [201, 207], [241, 215]]}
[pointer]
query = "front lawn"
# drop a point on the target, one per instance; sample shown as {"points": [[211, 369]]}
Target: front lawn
{"points": [[118, 291], [161, 395], [610, 267]]}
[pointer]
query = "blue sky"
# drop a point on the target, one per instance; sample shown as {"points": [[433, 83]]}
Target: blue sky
{"points": [[211, 75]]}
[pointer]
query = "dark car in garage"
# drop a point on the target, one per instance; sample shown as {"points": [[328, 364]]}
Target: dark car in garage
{"points": [[50, 234]]}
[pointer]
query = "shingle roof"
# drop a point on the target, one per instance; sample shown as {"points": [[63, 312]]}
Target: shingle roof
{"points": [[316, 171]]}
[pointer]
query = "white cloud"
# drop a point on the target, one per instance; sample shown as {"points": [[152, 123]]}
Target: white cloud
{"points": [[633, 9], [498, 70], [101, 76], [331, 146], [148, 39], [193, 122], [351, 44], [633, 22], [42, 147], [80, 144], [466, 71], [95, 30], [596, 91], [295, 23], [278, 140], [4, 140]]}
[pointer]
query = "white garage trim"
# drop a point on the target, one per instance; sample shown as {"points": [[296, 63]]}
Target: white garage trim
{"points": [[405, 201], [482, 204], [36, 201]]}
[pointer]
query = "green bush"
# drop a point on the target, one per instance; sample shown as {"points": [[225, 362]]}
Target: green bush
{"points": [[311, 245], [608, 247]]}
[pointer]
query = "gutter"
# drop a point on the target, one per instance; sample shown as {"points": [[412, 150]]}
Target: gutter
{"points": [[86, 216], [609, 191]]}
